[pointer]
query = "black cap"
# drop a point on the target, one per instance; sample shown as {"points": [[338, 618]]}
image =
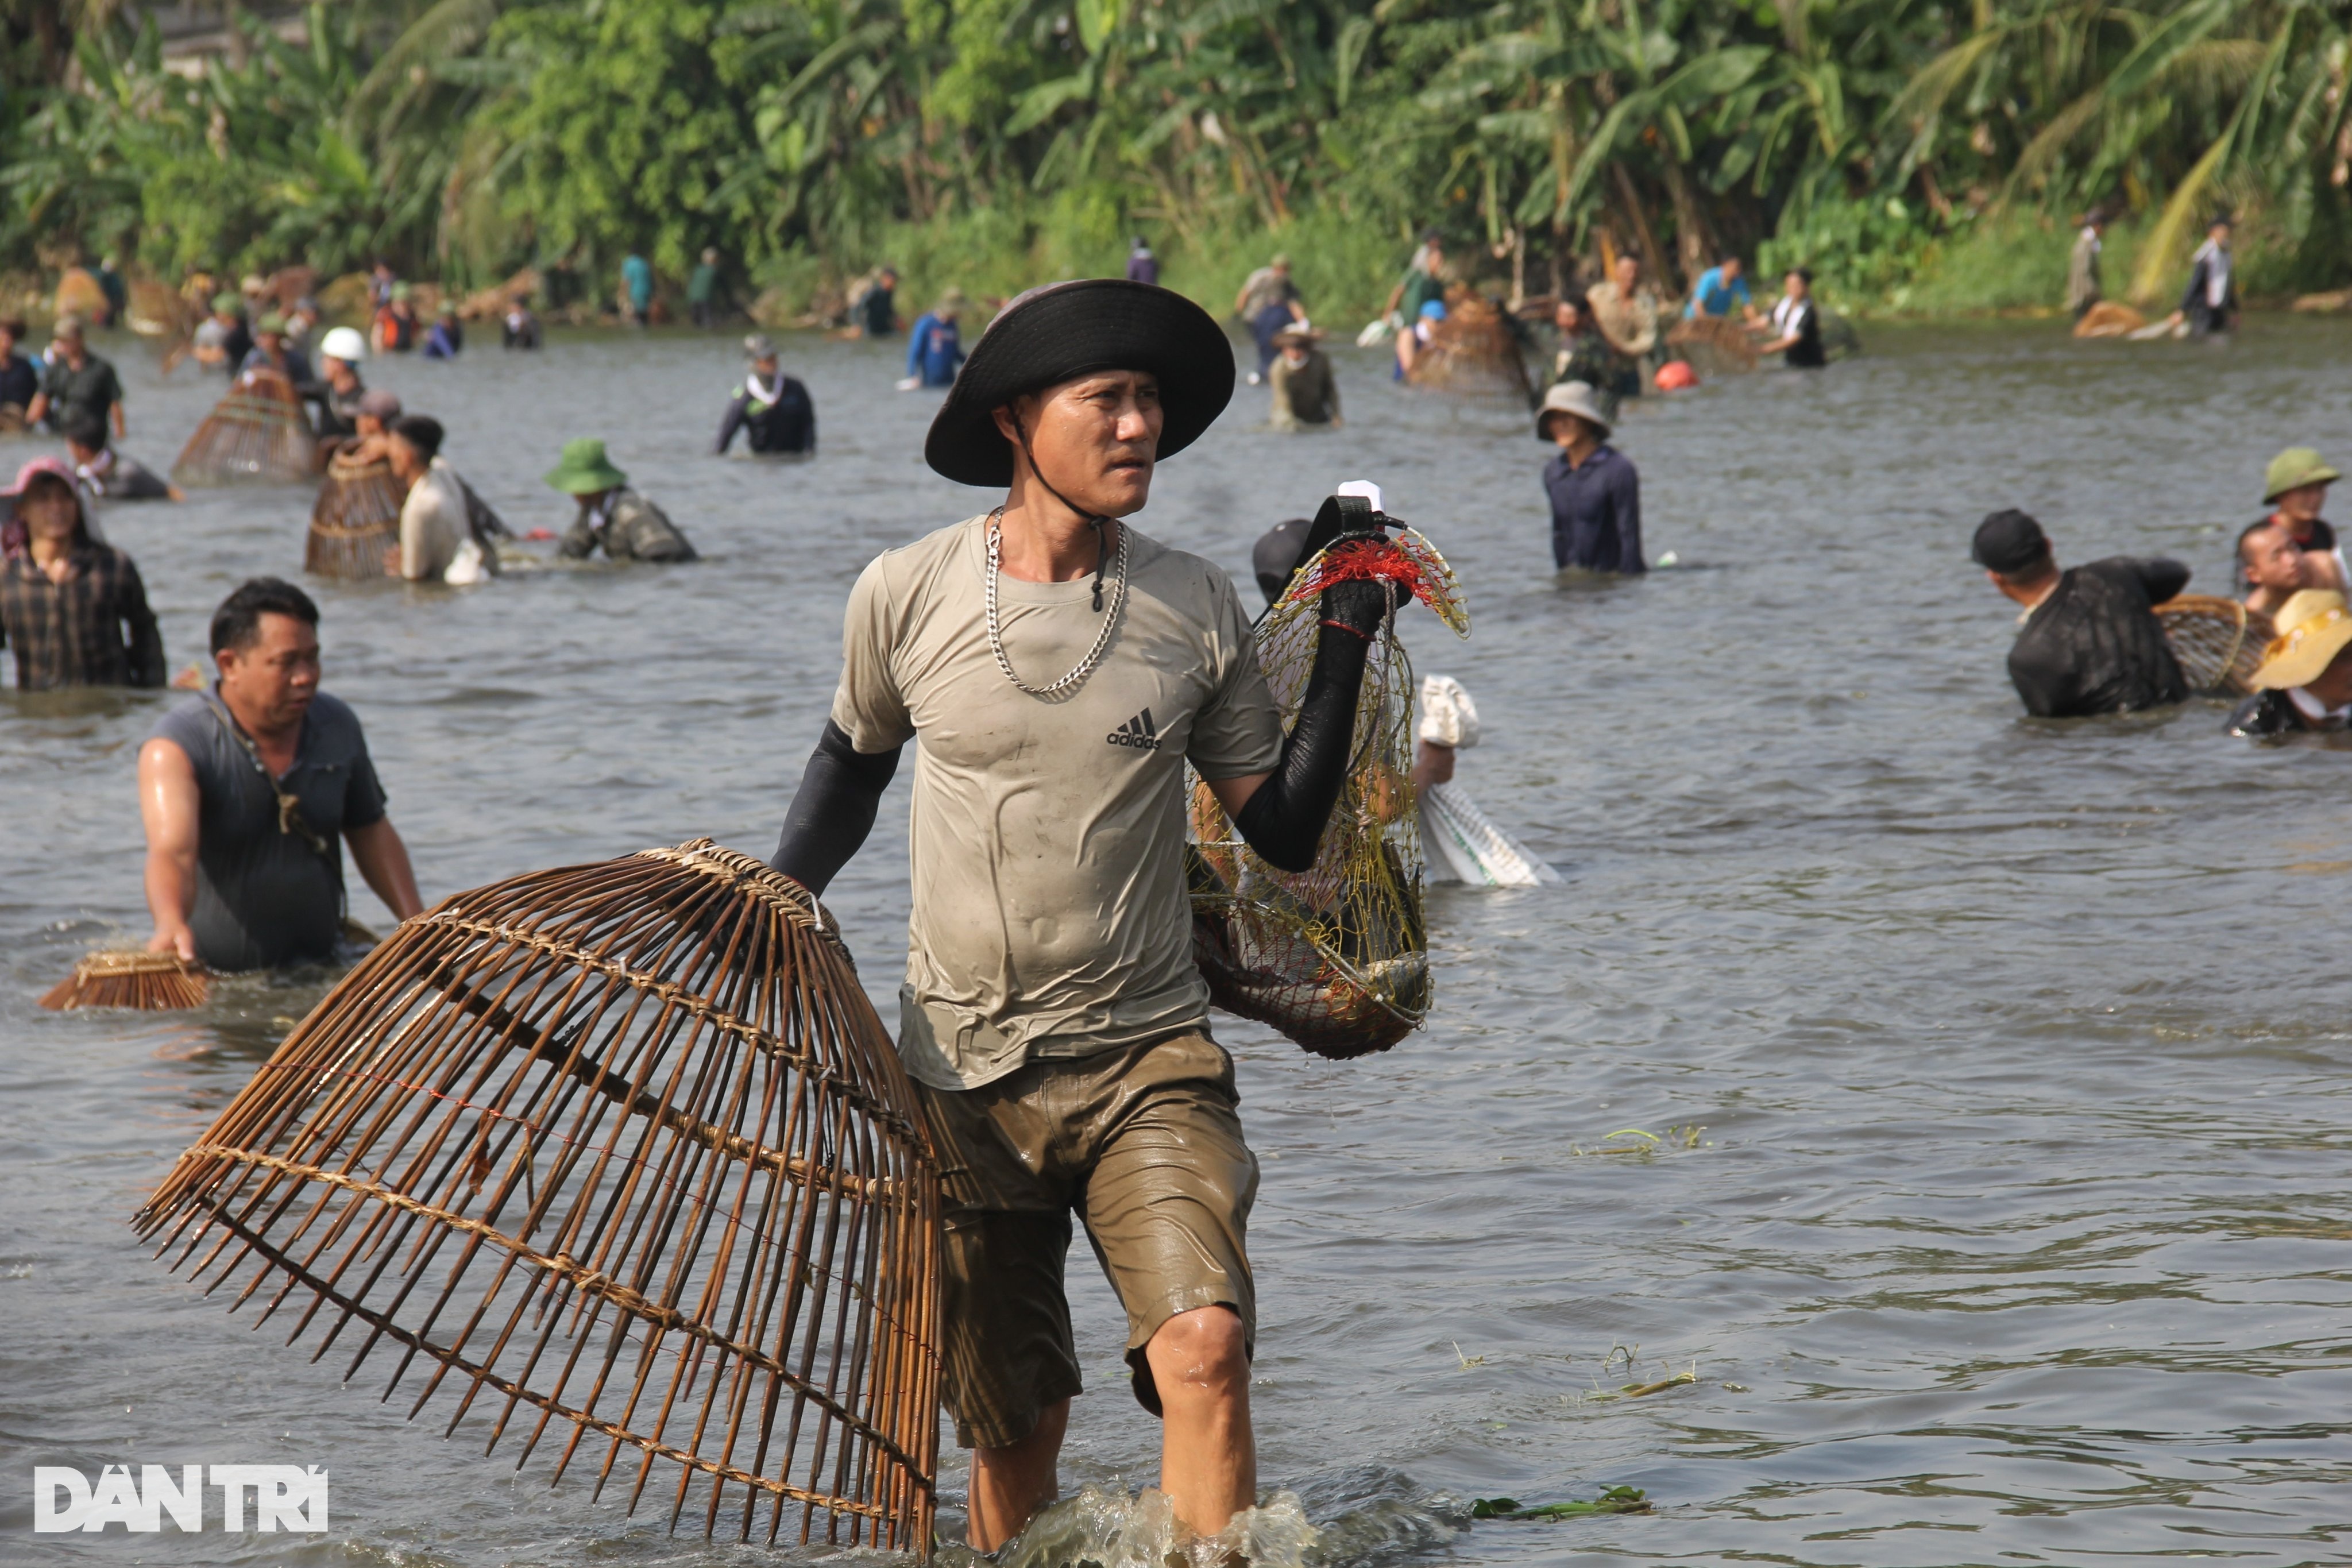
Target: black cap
{"points": [[2009, 542], [1280, 551], [1061, 331]]}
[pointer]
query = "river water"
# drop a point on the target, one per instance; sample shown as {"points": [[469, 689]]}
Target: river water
{"points": [[1997, 1069]]}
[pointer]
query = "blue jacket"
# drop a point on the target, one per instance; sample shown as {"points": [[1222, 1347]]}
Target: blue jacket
{"points": [[1596, 512], [933, 351], [1713, 297]]}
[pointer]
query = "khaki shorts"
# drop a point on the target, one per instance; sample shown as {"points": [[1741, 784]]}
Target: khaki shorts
{"points": [[1144, 1143]]}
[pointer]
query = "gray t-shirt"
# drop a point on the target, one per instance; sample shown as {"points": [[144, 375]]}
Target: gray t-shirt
{"points": [[264, 897], [1050, 917]]}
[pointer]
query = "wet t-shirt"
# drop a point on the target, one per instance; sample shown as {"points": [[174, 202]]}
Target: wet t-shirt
{"points": [[266, 896], [2094, 646], [1046, 838]]}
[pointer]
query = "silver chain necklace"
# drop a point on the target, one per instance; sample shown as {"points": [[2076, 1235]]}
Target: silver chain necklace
{"points": [[1085, 666]]}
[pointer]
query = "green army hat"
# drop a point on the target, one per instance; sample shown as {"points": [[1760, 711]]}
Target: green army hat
{"points": [[2293, 469], [583, 468]]}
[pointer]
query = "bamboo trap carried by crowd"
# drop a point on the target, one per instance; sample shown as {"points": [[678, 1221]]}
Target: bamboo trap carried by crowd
{"points": [[355, 520], [1714, 345], [620, 1153], [1475, 347], [257, 435], [2217, 642], [149, 982], [1334, 957]]}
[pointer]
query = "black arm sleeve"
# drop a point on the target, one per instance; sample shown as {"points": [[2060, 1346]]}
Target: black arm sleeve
{"points": [[1283, 820], [730, 424], [833, 811]]}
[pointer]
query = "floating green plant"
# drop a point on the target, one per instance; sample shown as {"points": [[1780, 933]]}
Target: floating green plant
{"points": [[1634, 1141], [1616, 1499]]}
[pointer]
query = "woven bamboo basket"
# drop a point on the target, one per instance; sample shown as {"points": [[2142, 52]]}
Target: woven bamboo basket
{"points": [[355, 520], [620, 1154], [257, 435], [149, 982], [2218, 642], [1714, 345], [1474, 349], [2109, 319]]}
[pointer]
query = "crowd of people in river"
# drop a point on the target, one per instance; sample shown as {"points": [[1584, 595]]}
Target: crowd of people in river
{"points": [[1061, 1066], [73, 608]]}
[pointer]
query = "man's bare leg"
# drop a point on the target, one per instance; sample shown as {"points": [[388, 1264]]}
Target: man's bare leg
{"points": [[1011, 1483], [1207, 1459]]}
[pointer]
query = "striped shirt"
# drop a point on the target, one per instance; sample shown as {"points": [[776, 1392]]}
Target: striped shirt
{"points": [[93, 629]]}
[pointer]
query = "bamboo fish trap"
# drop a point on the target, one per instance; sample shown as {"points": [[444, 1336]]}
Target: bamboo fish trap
{"points": [[1475, 348], [620, 1154], [355, 520], [1335, 957], [1714, 345], [149, 982], [2217, 642], [257, 435]]}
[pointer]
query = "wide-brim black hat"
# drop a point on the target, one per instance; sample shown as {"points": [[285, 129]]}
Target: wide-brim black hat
{"points": [[1052, 334]]}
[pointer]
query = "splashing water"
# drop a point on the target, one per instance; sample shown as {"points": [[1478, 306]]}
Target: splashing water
{"points": [[1100, 1529]]}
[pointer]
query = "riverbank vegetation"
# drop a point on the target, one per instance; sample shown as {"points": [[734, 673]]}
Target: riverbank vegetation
{"points": [[1920, 154]]}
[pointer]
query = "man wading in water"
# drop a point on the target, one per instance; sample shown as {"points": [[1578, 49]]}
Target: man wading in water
{"points": [[1060, 669]]}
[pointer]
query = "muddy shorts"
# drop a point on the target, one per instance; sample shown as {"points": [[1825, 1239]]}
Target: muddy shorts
{"points": [[1144, 1145]]}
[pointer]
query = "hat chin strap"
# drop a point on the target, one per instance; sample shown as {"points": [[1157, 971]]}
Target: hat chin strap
{"points": [[1091, 520]]}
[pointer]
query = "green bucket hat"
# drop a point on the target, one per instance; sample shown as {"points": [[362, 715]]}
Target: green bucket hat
{"points": [[2293, 469], [584, 469], [228, 301]]}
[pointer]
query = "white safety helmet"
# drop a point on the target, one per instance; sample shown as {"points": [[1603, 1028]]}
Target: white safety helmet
{"points": [[345, 344]]}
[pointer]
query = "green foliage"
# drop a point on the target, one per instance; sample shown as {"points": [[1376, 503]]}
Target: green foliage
{"points": [[240, 169], [1864, 251], [1896, 146], [621, 129]]}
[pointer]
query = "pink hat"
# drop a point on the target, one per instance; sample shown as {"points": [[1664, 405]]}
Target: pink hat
{"points": [[37, 466], [16, 533]]}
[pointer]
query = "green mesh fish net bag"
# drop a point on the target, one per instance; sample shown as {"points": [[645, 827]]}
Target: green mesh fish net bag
{"points": [[1335, 957]]}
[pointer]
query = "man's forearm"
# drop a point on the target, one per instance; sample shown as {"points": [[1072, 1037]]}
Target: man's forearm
{"points": [[171, 879], [382, 858], [834, 810]]}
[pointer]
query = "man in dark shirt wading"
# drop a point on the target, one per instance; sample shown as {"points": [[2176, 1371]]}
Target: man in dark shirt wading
{"points": [[1596, 496], [248, 792], [772, 409], [78, 380], [2091, 642]]}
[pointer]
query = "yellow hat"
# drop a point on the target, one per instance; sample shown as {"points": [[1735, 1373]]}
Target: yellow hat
{"points": [[2302, 607], [2314, 627]]}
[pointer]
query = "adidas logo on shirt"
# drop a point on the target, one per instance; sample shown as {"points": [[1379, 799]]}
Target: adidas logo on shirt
{"points": [[1139, 731]]}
